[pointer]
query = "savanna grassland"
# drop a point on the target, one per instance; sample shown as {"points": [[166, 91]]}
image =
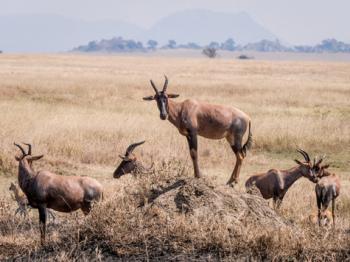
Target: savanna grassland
{"points": [[82, 111]]}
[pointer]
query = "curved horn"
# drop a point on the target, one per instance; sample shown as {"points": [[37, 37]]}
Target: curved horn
{"points": [[154, 87], [305, 155], [165, 83], [21, 148], [319, 161], [29, 148], [132, 147]]}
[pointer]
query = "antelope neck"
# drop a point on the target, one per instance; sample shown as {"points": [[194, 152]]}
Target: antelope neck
{"points": [[174, 109], [292, 175], [25, 174]]}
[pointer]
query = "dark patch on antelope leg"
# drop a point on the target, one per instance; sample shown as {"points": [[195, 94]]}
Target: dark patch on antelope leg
{"points": [[333, 209], [319, 210], [192, 143], [42, 223], [237, 149], [86, 208], [279, 202]]}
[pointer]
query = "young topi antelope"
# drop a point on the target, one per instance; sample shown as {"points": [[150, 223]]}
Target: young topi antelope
{"points": [[130, 164], [21, 200], [193, 118], [325, 219], [275, 183], [48, 190], [327, 189]]}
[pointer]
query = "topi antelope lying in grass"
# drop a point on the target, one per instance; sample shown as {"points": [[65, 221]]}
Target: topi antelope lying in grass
{"points": [[48, 190], [327, 189], [193, 118], [22, 202], [275, 183], [130, 164]]}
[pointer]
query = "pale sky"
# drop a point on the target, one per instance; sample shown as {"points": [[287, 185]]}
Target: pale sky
{"points": [[293, 21]]}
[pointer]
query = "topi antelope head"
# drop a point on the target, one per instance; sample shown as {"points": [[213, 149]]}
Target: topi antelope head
{"points": [[162, 99], [129, 163], [309, 170], [28, 156]]}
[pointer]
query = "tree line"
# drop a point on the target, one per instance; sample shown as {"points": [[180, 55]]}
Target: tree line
{"points": [[118, 44]]}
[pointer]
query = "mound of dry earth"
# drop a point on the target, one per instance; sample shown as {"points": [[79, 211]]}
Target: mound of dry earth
{"points": [[200, 198]]}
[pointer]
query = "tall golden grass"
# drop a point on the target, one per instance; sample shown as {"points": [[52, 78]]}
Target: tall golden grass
{"points": [[82, 111]]}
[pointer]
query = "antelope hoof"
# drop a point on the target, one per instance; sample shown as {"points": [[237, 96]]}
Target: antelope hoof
{"points": [[199, 175], [232, 183]]}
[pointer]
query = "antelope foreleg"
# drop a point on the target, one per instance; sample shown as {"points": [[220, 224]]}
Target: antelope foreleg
{"points": [[193, 145], [333, 209], [42, 223]]}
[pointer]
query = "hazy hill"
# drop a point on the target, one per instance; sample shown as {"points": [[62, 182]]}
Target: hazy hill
{"points": [[202, 26], [47, 32]]}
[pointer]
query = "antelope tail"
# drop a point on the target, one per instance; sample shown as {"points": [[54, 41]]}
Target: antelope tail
{"points": [[249, 142]]}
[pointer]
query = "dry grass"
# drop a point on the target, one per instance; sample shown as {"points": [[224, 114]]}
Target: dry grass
{"points": [[81, 111]]}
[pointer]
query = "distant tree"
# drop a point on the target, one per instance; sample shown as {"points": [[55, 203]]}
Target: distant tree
{"points": [[229, 45], [210, 52], [152, 44], [332, 45], [214, 45], [0, 51], [171, 44], [139, 45], [92, 46], [267, 46], [116, 44], [192, 45]]}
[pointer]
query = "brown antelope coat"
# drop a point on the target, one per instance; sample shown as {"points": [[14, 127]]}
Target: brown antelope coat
{"points": [[193, 118], [48, 190], [327, 190], [275, 183]]}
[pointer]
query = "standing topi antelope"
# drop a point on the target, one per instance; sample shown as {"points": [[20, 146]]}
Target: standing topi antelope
{"points": [[275, 183], [130, 164], [193, 118], [48, 190], [327, 189]]}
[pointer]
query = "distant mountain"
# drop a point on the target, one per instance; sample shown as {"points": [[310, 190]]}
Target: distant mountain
{"points": [[203, 26], [52, 33]]}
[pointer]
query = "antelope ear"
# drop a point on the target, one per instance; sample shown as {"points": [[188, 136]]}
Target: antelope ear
{"points": [[325, 166], [17, 158], [173, 95], [122, 157], [33, 158], [299, 163], [148, 98]]}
